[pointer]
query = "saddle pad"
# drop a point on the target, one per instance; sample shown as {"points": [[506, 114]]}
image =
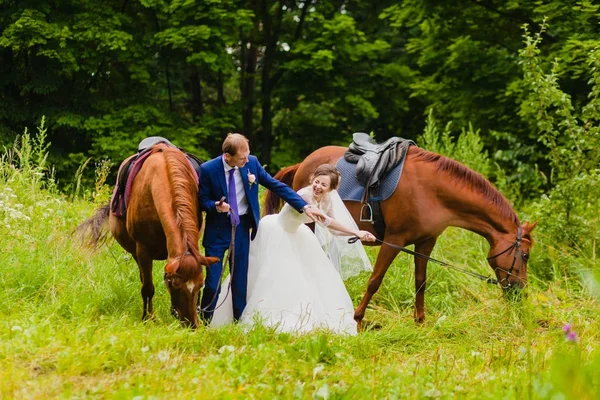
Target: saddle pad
{"points": [[120, 197], [351, 189]]}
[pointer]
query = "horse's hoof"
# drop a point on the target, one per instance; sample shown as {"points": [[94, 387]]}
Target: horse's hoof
{"points": [[359, 325], [148, 317]]}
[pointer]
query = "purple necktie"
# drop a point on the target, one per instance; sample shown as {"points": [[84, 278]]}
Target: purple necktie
{"points": [[233, 214]]}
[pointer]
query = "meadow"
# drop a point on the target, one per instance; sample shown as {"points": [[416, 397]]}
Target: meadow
{"points": [[70, 321]]}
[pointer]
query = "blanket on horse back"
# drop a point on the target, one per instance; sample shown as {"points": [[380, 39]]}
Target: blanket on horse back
{"points": [[132, 165], [370, 173]]}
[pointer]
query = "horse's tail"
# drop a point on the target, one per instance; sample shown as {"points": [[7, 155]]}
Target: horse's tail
{"points": [[93, 232], [273, 203]]}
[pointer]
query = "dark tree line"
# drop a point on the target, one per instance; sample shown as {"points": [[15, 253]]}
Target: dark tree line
{"points": [[291, 75]]}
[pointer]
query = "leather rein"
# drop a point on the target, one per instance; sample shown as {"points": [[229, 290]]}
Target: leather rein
{"points": [[504, 283], [230, 260]]}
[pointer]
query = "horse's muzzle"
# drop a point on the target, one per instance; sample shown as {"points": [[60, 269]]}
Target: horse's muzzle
{"points": [[514, 291]]}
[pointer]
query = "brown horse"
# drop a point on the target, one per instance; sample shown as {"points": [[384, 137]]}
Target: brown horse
{"points": [[161, 223], [434, 193]]}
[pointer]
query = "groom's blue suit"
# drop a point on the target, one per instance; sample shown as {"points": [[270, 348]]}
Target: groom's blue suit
{"points": [[217, 233]]}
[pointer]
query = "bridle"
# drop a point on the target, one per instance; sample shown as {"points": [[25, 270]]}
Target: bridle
{"points": [[169, 282], [516, 246]]}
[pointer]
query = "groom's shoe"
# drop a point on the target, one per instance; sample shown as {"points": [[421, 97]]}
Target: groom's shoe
{"points": [[203, 320], [202, 317], [237, 315]]}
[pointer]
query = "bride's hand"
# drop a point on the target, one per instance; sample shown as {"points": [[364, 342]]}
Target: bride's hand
{"points": [[366, 236], [314, 213]]}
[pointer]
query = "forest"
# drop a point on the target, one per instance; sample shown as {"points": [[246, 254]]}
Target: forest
{"points": [[293, 75]]}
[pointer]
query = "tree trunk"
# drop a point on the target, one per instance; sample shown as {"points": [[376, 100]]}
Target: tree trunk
{"points": [[169, 90], [196, 105], [271, 32], [221, 90], [271, 70], [249, 58]]}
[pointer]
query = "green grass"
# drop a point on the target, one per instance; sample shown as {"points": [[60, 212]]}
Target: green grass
{"points": [[70, 327]]}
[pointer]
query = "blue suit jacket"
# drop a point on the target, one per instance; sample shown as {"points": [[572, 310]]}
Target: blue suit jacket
{"points": [[213, 186]]}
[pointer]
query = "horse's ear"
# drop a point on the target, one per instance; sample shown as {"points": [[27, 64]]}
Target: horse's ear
{"points": [[172, 267], [208, 260], [529, 227]]}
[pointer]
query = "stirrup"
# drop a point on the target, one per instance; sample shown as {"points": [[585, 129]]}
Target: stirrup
{"points": [[370, 215]]}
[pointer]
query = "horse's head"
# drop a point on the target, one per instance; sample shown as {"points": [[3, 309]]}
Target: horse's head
{"points": [[184, 279], [508, 257]]}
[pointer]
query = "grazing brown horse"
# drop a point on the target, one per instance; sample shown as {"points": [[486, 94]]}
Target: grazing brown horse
{"points": [[161, 223], [434, 193]]}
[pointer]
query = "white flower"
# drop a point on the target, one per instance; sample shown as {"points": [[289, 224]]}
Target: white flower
{"points": [[317, 370], [163, 356], [227, 348], [251, 178]]}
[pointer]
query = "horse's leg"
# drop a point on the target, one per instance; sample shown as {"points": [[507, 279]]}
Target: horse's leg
{"points": [[384, 260], [145, 265], [424, 248]]}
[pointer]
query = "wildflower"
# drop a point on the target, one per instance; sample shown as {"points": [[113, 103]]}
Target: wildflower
{"points": [[570, 334], [226, 348], [163, 356]]}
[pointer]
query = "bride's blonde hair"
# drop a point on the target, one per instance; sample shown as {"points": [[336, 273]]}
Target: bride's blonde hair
{"points": [[330, 171]]}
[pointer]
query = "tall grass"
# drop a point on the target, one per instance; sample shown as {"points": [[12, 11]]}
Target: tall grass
{"points": [[70, 324]]}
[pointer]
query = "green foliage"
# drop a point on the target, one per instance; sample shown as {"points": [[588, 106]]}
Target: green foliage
{"points": [[26, 161], [108, 75], [292, 76], [572, 140], [467, 147], [571, 135]]}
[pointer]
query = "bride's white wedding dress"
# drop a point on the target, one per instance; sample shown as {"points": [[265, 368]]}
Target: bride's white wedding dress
{"points": [[292, 284]]}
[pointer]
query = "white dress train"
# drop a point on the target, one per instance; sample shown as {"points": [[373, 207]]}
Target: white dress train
{"points": [[348, 259], [292, 284]]}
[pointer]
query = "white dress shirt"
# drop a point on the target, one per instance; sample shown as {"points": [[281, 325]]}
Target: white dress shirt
{"points": [[242, 201]]}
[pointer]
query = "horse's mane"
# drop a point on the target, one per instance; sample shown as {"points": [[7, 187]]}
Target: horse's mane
{"points": [[185, 192], [462, 174]]}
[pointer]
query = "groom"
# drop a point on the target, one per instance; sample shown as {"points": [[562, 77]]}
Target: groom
{"points": [[235, 175]]}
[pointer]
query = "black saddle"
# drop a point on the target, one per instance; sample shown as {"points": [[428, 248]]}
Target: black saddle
{"points": [[149, 142], [374, 160], [362, 143]]}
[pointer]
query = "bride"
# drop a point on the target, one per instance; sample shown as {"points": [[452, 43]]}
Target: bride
{"points": [[292, 283]]}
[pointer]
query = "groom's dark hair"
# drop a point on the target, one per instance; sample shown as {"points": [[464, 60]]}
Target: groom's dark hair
{"points": [[234, 142]]}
